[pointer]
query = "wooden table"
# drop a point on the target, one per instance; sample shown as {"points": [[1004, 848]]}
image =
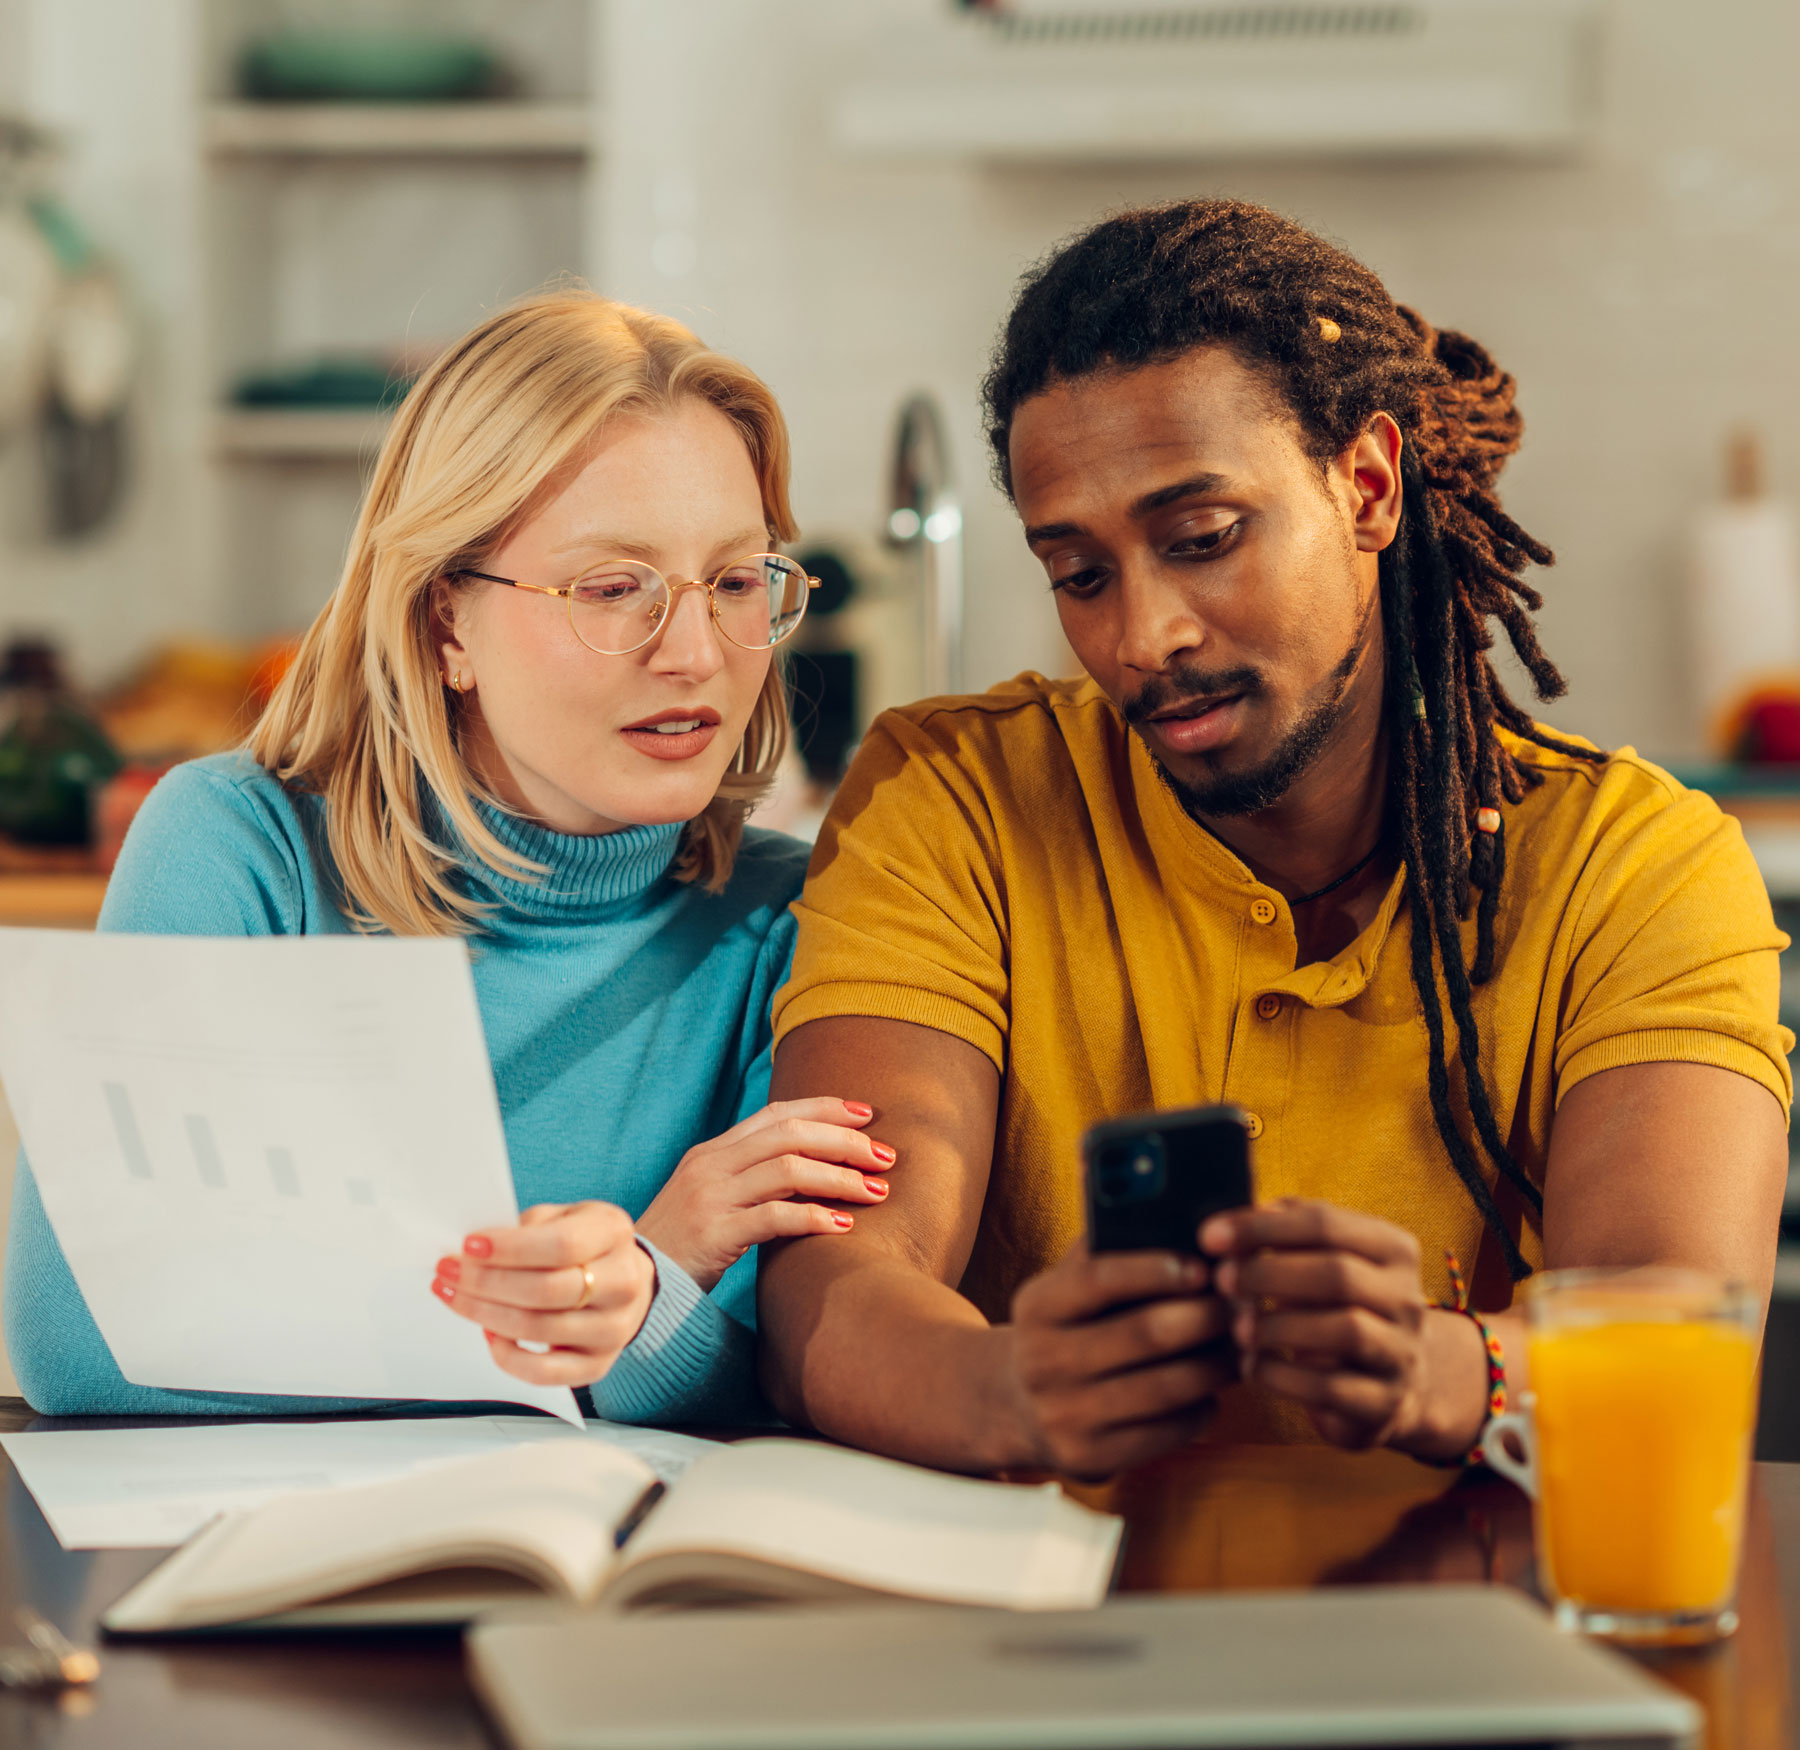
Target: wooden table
{"points": [[1204, 1519]]}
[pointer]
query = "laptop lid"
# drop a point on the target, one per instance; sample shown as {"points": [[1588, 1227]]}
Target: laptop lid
{"points": [[1401, 1665]]}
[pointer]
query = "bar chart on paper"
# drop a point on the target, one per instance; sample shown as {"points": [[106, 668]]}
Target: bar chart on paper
{"points": [[204, 1158], [131, 1139], [210, 1119]]}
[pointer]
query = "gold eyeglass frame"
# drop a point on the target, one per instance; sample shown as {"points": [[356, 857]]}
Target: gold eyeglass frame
{"points": [[674, 586]]}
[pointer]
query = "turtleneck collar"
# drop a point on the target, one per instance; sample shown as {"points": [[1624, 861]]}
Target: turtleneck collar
{"points": [[581, 874]]}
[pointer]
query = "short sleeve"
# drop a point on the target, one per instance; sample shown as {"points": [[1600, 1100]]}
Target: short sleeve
{"points": [[904, 913], [1676, 955]]}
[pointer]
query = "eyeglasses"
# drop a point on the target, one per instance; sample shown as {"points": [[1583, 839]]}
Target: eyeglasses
{"points": [[620, 605]]}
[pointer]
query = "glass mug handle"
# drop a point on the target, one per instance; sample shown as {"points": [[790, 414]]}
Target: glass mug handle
{"points": [[1497, 1454]]}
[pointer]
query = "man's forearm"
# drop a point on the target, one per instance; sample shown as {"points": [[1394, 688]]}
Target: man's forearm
{"points": [[873, 1352], [861, 1336]]}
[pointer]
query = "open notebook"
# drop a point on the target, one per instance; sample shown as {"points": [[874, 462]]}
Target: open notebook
{"points": [[581, 1523]]}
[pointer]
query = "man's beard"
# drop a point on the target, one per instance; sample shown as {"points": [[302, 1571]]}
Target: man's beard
{"points": [[1263, 785]]}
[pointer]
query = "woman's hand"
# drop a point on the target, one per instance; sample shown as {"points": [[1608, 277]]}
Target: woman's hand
{"points": [[1329, 1310], [753, 1184], [570, 1277]]}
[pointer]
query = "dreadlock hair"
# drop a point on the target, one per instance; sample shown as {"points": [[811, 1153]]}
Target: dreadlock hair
{"points": [[1321, 330]]}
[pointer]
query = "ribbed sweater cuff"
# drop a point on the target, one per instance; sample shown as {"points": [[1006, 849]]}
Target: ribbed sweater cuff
{"points": [[688, 1362]]}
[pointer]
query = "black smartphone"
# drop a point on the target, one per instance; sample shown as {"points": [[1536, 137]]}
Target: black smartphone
{"points": [[1154, 1177]]}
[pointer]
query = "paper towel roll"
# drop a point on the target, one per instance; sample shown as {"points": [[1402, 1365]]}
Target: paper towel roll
{"points": [[1744, 597]]}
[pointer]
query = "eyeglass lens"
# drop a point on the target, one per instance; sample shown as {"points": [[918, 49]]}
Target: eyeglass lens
{"points": [[757, 602]]}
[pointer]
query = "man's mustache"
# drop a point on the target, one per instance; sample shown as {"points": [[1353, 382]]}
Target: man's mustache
{"points": [[1183, 686]]}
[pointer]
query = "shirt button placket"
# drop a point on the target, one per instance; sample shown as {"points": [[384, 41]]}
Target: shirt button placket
{"points": [[1263, 911]]}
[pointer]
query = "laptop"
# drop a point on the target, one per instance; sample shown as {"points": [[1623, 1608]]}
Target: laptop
{"points": [[1400, 1665]]}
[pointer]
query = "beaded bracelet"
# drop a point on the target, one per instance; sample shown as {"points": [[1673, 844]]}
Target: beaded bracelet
{"points": [[1496, 1359]]}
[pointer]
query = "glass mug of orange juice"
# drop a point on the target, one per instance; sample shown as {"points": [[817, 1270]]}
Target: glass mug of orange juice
{"points": [[1636, 1447]]}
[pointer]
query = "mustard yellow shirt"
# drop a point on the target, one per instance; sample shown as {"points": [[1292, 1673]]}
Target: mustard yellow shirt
{"points": [[1010, 869]]}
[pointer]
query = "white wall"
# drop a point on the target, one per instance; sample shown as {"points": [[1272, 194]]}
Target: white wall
{"points": [[238, 265], [1643, 295], [117, 82], [9, 1154]]}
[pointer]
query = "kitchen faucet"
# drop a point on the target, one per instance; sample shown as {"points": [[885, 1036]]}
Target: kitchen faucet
{"points": [[926, 514]]}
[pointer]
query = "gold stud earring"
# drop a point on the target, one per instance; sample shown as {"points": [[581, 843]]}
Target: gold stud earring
{"points": [[1329, 330]]}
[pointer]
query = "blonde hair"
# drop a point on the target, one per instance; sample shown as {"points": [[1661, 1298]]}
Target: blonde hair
{"points": [[363, 717]]}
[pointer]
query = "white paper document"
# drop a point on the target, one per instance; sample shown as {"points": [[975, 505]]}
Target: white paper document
{"points": [[254, 1149], [149, 1488]]}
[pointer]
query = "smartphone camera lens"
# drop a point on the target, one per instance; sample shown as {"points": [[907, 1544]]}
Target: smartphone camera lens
{"points": [[1132, 1172]]}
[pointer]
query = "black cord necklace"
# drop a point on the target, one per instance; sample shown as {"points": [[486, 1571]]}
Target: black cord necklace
{"points": [[1355, 868]]}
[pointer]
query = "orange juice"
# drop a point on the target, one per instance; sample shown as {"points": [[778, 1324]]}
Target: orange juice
{"points": [[1643, 1434]]}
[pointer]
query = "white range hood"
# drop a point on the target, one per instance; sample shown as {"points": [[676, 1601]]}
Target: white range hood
{"points": [[1115, 80]]}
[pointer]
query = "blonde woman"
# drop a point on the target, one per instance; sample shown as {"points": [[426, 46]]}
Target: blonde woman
{"points": [[534, 713]]}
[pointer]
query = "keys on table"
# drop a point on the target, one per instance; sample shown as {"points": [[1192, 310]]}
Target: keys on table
{"points": [[47, 1660]]}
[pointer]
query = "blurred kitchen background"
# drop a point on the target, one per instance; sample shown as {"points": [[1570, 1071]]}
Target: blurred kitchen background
{"points": [[229, 229]]}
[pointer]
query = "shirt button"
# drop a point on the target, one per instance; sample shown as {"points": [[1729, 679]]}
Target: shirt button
{"points": [[1253, 1124], [1262, 911], [1268, 1005]]}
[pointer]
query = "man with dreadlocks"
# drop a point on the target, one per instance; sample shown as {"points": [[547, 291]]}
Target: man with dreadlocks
{"points": [[1485, 990]]}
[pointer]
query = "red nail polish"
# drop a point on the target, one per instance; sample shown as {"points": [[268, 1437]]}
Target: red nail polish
{"points": [[857, 1109], [843, 1220], [883, 1153], [450, 1269], [878, 1186], [478, 1246], [444, 1290]]}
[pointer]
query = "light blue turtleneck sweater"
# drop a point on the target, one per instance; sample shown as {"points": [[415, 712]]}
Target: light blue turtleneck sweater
{"points": [[627, 1018]]}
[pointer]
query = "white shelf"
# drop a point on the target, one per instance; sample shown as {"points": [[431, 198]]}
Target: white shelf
{"points": [[280, 434], [1180, 82], [433, 130]]}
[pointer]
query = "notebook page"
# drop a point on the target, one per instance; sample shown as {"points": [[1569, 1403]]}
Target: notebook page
{"points": [[888, 1526], [550, 1509], [154, 1487]]}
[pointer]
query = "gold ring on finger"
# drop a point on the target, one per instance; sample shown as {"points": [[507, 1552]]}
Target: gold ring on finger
{"points": [[587, 1287]]}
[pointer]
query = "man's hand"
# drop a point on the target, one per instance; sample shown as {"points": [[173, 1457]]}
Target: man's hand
{"points": [[1328, 1309], [1111, 1357]]}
